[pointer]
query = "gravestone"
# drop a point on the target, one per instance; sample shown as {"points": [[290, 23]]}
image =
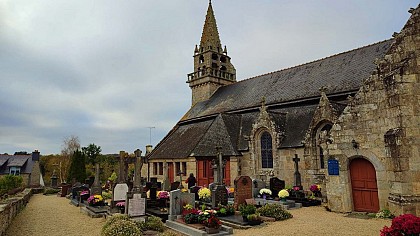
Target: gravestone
{"points": [[243, 190], [177, 200], [298, 181], [212, 186], [174, 185], [276, 185], [257, 185], [194, 189], [153, 188], [96, 186], [120, 192], [219, 196], [136, 205]]}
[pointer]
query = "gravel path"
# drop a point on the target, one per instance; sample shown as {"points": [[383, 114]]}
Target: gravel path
{"points": [[53, 216], [318, 221]]}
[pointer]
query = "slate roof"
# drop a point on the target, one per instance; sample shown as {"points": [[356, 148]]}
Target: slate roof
{"points": [[291, 95], [23, 161], [339, 73]]}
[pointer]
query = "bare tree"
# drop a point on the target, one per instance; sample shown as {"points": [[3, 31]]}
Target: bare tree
{"points": [[70, 145]]}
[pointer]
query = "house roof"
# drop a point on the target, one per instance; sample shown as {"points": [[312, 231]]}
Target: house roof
{"points": [[338, 73], [23, 161]]}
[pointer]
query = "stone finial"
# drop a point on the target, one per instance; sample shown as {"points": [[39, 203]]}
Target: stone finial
{"points": [[196, 49], [323, 89], [411, 10], [225, 50]]}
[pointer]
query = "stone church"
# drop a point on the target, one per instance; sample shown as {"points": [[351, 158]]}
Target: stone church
{"points": [[352, 119]]}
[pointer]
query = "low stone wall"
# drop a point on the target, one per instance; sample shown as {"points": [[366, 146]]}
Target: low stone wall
{"points": [[11, 207]]}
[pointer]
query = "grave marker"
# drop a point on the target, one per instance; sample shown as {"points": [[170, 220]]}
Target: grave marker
{"points": [[136, 205], [257, 185], [276, 185], [243, 190], [177, 200], [120, 192]]}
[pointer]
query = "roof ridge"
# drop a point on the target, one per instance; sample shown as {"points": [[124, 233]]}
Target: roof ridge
{"points": [[317, 60]]}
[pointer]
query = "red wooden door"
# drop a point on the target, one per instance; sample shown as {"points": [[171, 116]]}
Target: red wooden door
{"points": [[205, 174], [364, 186], [171, 172]]}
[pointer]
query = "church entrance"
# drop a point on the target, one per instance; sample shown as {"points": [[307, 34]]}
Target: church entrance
{"points": [[205, 173], [364, 186]]}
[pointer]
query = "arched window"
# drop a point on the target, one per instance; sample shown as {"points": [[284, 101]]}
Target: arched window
{"points": [[266, 150]]}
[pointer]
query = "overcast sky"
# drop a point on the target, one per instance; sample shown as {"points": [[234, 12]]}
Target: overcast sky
{"points": [[105, 70]]}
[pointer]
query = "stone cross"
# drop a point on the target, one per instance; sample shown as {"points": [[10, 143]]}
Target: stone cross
{"points": [[180, 180], [121, 174], [96, 187], [166, 184], [298, 181], [219, 164], [137, 188]]}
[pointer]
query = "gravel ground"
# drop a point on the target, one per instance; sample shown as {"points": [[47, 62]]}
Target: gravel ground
{"points": [[317, 221], [54, 216]]}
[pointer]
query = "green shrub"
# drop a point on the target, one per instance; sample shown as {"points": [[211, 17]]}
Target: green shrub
{"points": [[9, 182], [51, 191], [274, 211], [114, 218], [106, 195], [385, 214], [247, 209], [152, 223], [121, 228]]}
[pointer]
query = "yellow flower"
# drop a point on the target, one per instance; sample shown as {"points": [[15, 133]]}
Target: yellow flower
{"points": [[283, 193]]}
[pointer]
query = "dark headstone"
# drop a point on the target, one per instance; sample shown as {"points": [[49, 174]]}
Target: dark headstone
{"points": [[174, 185], [257, 185], [243, 190], [276, 185], [194, 189], [219, 195]]}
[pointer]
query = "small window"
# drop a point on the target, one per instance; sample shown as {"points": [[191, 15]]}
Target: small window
{"points": [[201, 59], [214, 56], [14, 170], [177, 167], [160, 168], [184, 168], [223, 59], [155, 168], [214, 65], [266, 151]]}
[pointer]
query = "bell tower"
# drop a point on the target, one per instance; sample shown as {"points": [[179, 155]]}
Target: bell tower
{"points": [[212, 66]]}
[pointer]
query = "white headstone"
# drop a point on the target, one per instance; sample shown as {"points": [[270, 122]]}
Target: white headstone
{"points": [[120, 192], [137, 205]]}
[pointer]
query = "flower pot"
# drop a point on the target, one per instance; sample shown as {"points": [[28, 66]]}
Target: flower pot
{"points": [[212, 230]]}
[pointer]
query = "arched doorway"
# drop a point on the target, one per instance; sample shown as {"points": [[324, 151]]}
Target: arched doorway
{"points": [[364, 186]]}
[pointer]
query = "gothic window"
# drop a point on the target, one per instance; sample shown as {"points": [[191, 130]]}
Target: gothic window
{"points": [[214, 56], [223, 68], [223, 59], [266, 151], [201, 59], [322, 135]]}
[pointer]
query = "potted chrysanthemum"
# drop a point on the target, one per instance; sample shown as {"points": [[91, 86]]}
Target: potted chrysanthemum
{"points": [[95, 200], [265, 193], [283, 194], [204, 194]]}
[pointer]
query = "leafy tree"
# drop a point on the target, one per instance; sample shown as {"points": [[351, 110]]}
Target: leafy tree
{"points": [[92, 153], [70, 145], [77, 167]]}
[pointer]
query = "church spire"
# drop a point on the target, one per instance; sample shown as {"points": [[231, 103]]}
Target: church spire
{"points": [[210, 37], [212, 66]]}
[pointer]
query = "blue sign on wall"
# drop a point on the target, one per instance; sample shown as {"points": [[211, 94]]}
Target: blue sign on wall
{"points": [[333, 168]]}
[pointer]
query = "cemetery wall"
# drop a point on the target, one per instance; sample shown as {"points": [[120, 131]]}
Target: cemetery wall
{"points": [[383, 120], [12, 208]]}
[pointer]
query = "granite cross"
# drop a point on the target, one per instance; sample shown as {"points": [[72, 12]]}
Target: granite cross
{"points": [[298, 181]]}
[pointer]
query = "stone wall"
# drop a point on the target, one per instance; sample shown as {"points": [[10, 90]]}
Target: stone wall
{"points": [[9, 210], [382, 125]]}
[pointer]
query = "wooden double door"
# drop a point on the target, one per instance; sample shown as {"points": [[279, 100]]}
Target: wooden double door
{"points": [[364, 185], [205, 173]]}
